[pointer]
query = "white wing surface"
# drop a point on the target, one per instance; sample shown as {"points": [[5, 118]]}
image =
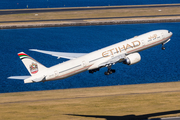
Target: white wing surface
{"points": [[113, 60], [60, 54], [19, 77]]}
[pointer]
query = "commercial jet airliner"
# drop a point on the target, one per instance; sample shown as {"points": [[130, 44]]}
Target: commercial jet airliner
{"points": [[125, 51]]}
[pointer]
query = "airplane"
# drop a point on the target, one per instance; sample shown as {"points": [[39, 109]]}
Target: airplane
{"points": [[125, 52]]}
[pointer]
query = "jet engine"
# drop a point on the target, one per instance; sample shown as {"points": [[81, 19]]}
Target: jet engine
{"points": [[132, 59]]}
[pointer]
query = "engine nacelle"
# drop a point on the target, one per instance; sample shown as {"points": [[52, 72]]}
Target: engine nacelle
{"points": [[132, 59]]}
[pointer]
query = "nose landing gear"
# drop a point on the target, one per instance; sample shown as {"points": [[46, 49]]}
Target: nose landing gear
{"points": [[163, 48]]}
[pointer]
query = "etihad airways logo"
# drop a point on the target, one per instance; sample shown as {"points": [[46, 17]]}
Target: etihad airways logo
{"points": [[121, 48], [153, 36]]}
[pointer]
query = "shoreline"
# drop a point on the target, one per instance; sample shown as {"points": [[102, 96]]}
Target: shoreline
{"points": [[89, 23], [83, 16]]}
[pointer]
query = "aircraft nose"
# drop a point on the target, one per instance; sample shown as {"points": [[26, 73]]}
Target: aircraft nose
{"points": [[170, 33]]}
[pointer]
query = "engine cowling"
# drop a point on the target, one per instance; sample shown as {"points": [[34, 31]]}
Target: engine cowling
{"points": [[132, 59]]}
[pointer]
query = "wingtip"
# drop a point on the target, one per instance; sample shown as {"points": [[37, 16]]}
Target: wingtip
{"points": [[32, 49], [9, 77]]}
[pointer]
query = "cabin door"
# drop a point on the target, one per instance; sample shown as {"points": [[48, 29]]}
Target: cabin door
{"points": [[143, 42], [84, 63]]}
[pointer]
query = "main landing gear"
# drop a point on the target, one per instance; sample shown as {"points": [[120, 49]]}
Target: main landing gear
{"points": [[94, 70], [110, 71]]}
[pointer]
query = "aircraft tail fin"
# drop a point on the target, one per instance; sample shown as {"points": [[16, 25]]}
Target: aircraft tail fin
{"points": [[32, 65]]}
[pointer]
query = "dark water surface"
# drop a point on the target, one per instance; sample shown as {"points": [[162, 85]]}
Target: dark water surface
{"points": [[156, 65], [21, 4]]}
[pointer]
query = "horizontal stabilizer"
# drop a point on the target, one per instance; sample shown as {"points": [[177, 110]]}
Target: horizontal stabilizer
{"points": [[19, 77]]}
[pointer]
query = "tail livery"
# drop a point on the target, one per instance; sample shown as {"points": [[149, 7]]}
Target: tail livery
{"points": [[31, 65], [34, 68]]}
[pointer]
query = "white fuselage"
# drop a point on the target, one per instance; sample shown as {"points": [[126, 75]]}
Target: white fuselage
{"points": [[91, 60]]}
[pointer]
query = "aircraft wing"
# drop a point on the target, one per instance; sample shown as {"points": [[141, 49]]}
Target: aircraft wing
{"points": [[108, 62], [113, 60], [60, 54], [19, 77]]}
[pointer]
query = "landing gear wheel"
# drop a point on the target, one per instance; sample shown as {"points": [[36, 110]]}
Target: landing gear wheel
{"points": [[113, 71], [110, 72], [163, 48], [106, 73]]}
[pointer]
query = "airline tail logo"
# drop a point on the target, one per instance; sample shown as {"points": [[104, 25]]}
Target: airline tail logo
{"points": [[33, 68]]}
